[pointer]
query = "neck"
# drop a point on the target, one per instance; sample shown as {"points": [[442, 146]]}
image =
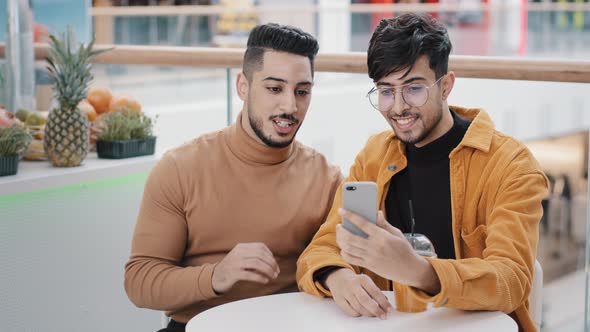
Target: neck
{"points": [[444, 125]]}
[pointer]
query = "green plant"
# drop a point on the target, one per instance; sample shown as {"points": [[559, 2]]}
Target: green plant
{"points": [[124, 125], [14, 140]]}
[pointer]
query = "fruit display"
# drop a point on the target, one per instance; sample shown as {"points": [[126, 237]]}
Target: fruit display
{"points": [[99, 98], [88, 109], [67, 128], [36, 151], [31, 122], [101, 101], [22, 114], [36, 119], [35, 125], [7, 119], [124, 102]]}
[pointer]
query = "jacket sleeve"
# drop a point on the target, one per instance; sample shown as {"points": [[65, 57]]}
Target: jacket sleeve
{"points": [[323, 250], [502, 278], [154, 277]]}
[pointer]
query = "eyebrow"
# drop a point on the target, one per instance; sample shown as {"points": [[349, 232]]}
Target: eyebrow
{"points": [[276, 79], [408, 81]]}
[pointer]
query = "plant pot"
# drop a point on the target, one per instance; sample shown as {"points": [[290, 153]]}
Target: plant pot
{"points": [[126, 149], [8, 165]]}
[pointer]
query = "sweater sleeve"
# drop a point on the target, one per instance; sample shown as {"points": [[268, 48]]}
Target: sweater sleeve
{"points": [[502, 278], [154, 277]]}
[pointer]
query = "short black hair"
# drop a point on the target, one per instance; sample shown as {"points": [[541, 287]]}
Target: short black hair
{"points": [[281, 38], [398, 42]]}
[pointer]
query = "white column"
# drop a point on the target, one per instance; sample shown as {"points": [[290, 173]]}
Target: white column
{"points": [[505, 27], [334, 26], [20, 76], [304, 20]]}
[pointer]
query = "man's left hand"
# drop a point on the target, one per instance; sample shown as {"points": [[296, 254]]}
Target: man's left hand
{"points": [[385, 252]]}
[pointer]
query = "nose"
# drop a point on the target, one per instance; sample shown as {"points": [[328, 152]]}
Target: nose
{"points": [[289, 104], [399, 105]]}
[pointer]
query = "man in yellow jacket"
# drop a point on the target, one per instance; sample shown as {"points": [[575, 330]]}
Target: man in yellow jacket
{"points": [[476, 194]]}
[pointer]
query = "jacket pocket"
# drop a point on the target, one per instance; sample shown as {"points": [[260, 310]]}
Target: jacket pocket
{"points": [[474, 242]]}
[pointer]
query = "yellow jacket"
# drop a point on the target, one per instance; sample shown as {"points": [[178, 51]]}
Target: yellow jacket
{"points": [[496, 188]]}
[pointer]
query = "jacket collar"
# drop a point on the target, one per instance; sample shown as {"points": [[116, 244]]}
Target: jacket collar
{"points": [[480, 132]]}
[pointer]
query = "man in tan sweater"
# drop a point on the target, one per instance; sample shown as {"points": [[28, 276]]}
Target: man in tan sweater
{"points": [[225, 216]]}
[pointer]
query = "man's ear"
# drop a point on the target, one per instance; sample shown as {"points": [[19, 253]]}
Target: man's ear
{"points": [[447, 85], [242, 86]]}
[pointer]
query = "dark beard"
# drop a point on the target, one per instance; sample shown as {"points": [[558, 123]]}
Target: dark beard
{"points": [[426, 132], [257, 127]]}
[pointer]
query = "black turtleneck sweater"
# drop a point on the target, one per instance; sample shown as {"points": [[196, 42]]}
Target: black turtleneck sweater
{"points": [[426, 181]]}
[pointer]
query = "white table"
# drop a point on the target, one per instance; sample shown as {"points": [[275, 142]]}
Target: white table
{"points": [[302, 312]]}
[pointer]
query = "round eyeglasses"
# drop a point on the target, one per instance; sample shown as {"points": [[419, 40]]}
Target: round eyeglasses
{"points": [[413, 94]]}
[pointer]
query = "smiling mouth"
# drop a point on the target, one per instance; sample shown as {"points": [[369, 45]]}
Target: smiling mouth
{"points": [[284, 127], [405, 122]]}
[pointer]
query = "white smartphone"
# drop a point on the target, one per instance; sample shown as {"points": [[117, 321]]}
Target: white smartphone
{"points": [[360, 198]]}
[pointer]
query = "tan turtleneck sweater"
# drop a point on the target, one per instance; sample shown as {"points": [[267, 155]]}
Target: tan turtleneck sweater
{"points": [[206, 196]]}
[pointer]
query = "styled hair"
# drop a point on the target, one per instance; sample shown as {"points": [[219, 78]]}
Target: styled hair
{"points": [[397, 43], [281, 38]]}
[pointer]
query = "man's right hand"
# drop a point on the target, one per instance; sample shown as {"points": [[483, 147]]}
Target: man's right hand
{"points": [[357, 294], [245, 262]]}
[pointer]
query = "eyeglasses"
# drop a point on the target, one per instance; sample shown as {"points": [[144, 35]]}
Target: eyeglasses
{"points": [[414, 94]]}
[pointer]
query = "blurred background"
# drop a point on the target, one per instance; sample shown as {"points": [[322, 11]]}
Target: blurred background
{"points": [[62, 249]]}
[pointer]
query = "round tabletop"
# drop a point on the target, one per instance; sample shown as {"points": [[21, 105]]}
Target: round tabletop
{"points": [[303, 312]]}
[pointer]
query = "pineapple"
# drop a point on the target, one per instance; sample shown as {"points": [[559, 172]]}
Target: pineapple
{"points": [[67, 127]]}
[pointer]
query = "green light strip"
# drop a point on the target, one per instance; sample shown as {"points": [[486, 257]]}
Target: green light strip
{"points": [[134, 178]]}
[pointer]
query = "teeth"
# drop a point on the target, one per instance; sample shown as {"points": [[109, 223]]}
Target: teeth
{"points": [[404, 122], [283, 124]]}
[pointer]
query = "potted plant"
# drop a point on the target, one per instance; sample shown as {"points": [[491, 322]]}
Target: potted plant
{"points": [[124, 134], [14, 141]]}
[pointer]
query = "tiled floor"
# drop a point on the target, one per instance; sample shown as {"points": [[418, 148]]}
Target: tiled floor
{"points": [[563, 303]]}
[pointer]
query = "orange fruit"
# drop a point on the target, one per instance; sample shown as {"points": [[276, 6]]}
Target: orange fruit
{"points": [[99, 98], [85, 107], [40, 33], [122, 102]]}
